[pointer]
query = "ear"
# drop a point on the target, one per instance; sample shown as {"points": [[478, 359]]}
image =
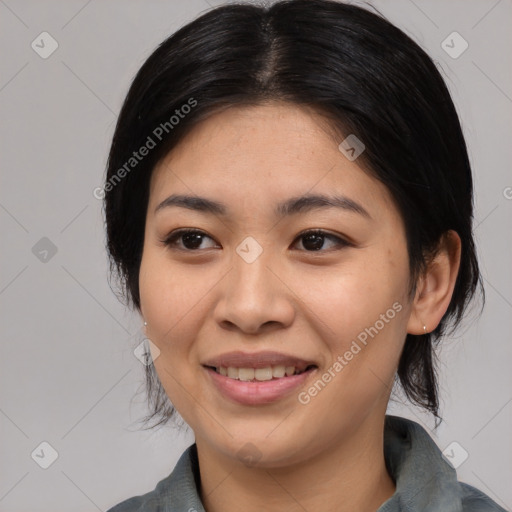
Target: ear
{"points": [[435, 287]]}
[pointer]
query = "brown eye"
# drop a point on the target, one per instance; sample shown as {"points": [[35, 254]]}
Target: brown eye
{"points": [[191, 239], [314, 240]]}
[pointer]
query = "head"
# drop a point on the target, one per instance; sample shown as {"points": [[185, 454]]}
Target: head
{"points": [[251, 111]]}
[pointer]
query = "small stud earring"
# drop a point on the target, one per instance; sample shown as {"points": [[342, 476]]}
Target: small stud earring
{"points": [[145, 323], [424, 329]]}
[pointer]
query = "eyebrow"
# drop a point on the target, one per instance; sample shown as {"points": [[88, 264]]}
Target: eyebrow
{"points": [[294, 205]]}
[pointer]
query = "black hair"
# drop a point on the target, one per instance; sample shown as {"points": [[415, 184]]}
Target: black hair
{"points": [[365, 75]]}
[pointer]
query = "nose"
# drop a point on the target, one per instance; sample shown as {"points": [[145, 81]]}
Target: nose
{"points": [[254, 298]]}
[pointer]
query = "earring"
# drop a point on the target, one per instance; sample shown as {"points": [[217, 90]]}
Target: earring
{"points": [[145, 324], [424, 329]]}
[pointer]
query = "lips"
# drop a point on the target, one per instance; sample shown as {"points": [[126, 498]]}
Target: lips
{"points": [[259, 378]]}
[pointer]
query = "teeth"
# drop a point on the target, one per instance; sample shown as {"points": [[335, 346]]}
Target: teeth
{"points": [[263, 373], [246, 373], [290, 370], [259, 374], [279, 371], [233, 373]]}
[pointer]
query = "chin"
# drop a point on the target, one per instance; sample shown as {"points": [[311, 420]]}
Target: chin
{"points": [[257, 448]]}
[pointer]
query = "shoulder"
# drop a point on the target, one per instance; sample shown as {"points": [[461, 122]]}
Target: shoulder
{"points": [[176, 492], [137, 504], [474, 500], [425, 478], [152, 501]]}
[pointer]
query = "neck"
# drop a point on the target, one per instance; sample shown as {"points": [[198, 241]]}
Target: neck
{"points": [[350, 475]]}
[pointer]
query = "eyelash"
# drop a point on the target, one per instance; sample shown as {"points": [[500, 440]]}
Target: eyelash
{"points": [[170, 241]]}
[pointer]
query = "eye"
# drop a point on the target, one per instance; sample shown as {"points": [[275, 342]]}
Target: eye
{"points": [[313, 240], [191, 239]]}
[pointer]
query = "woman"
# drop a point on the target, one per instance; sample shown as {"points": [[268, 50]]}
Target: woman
{"points": [[289, 205]]}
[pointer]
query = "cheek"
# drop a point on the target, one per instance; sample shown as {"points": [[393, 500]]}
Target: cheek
{"points": [[169, 301], [353, 297], [155, 292], [165, 301], [361, 310], [167, 292], [174, 303]]}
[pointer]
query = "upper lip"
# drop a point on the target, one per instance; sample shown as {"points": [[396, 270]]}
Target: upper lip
{"points": [[257, 360]]}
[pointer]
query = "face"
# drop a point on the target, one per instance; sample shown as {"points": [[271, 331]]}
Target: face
{"points": [[265, 285]]}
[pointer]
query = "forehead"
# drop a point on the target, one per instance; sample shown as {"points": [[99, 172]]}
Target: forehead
{"points": [[257, 154]]}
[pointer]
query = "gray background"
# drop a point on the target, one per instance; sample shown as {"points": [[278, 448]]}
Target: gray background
{"points": [[68, 373]]}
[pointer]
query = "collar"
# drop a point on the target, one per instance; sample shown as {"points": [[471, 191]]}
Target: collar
{"points": [[424, 480]]}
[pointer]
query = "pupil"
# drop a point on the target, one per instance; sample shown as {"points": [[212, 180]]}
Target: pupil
{"points": [[315, 246], [193, 239]]}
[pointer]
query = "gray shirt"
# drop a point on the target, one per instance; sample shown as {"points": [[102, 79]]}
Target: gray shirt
{"points": [[424, 480]]}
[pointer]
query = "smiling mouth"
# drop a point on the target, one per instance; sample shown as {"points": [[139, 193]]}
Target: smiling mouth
{"points": [[260, 374]]}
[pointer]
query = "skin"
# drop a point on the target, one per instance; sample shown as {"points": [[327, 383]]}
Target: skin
{"points": [[200, 303]]}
